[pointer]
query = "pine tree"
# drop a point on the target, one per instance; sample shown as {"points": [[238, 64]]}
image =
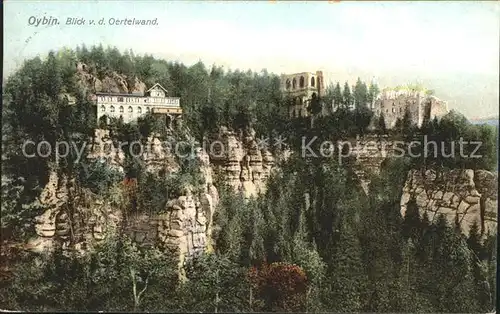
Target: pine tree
{"points": [[360, 94], [451, 279], [411, 223], [347, 96], [373, 92], [406, 125], [345, 295], [338, 100], [382, 127]]}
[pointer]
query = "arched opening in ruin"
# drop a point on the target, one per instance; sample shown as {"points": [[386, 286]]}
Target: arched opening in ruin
{"points": [[288, 84], [302, 82], [312, 81], [314, 96], [294, 83]]}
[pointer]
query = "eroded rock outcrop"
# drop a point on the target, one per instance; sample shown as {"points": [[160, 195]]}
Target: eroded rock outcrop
{"points": [[244, 165], [77, 221], [369, 153], [156, 155], [182, 228], [73, 219], [462, 196], [112, 82]]}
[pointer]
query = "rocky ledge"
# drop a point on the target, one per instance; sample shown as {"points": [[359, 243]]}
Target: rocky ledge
{"points": [[462, 196]]}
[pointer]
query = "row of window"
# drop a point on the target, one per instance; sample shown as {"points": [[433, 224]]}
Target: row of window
{"points": [[131, 99], [293, 83], [393, 110], [130, 109]]}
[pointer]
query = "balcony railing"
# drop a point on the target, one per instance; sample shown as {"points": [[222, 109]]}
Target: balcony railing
{"points": [[171, 101]]}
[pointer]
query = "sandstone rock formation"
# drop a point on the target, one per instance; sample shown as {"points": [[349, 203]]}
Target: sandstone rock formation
{"points": [[369, 153], [463, 196], [77, 221], [113, 82], [244, 165], [155, 153], [71, 219], [181, 228]]}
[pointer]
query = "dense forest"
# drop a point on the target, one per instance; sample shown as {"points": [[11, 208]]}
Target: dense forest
{"points": [[313, 242]]}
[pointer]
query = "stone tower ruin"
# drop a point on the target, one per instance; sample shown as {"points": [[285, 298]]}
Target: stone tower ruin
{"points": [[300, 89]]}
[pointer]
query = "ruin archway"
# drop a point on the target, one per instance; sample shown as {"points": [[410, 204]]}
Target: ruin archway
{"points": [[294, 83], [312, 81], [302, 82]]}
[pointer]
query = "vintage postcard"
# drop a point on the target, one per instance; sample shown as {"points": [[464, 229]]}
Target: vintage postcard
{"points": [[268, 156]]}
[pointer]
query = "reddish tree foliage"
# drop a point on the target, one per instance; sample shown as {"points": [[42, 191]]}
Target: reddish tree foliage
{"points": [[281, 286], [130, 190]]}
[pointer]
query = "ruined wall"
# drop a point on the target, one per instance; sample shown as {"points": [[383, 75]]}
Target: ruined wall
{"points": [[462, 196], [301, 88], [393, 104]]}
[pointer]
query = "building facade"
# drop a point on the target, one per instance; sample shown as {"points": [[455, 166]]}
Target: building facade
{"points": [[132, 106], [300, 89]]}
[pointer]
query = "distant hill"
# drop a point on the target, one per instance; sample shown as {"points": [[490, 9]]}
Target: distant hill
{"points": [[489, 121]]}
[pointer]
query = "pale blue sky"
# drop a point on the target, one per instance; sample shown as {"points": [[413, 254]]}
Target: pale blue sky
{"points": [[452, 47]]}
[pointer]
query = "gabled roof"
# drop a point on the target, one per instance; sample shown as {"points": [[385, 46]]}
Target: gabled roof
{"points": [[157, 84]]}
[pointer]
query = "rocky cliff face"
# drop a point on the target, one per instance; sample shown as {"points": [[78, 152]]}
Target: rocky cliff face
{"points": [[77, 220], [113, 82], [241, 161], [369, 153], [462, 196], [73, 219]]}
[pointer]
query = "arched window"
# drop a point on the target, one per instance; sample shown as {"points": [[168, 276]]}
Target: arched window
{"points": [[312, 81], [147, 109], [139, 110], [121, 109], [130, 110], [288, 84], [112, 109], [294, 83], [302, 82], [103, 109]]}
